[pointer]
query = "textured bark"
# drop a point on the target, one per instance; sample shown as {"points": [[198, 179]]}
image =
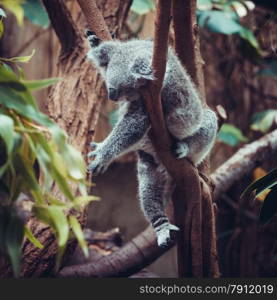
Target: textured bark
{"points": [[74, 103]]}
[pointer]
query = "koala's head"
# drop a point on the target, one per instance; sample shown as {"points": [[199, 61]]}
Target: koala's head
{"points": [[127, 69]]}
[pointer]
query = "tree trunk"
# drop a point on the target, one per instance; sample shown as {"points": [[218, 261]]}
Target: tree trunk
{"points": [[74, 103]]}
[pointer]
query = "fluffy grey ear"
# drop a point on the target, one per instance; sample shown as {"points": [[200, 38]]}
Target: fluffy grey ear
{"points": [[142, 69]]}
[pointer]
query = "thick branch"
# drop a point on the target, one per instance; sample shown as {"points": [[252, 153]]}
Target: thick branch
{"points": [[63, 25], [244, 162], [139, 252]]}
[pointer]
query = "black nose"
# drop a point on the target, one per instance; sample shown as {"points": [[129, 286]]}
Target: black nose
{"points": [[113, 94]]}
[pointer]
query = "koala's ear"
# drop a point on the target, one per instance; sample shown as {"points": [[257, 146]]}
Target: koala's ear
{"points": [[101, 55], [142, 69]]}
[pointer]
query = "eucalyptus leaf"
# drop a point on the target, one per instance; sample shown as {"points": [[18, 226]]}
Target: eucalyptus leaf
{"points": [[231, 135], [76, 227]]}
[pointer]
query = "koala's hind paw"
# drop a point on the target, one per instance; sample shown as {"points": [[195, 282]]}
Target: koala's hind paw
{"points": [[166, 234], [181, 150]]}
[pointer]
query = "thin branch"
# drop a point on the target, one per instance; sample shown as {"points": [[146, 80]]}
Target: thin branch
{"points": [[63, 25], [243, 162], [95, 19]]}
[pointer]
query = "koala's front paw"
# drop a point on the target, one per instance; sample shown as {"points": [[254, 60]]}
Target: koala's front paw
{"points": [[99, 165], [181, 150], [166, 234]]}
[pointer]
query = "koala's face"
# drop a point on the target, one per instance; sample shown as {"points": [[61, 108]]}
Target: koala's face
{"points": [[125, 75]]}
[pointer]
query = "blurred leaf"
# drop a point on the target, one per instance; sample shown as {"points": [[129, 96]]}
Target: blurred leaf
{"points": [[35, 12], [263, 121], [219, 21], [84, 200], [7, 131], [1, 28], [74, 162], [32, 238], [15, 7], [204, 4], [22, 59], [142, 7], [2, 13], [231, 135], [261, 184], [270, 70], [248, 35], [40, 84], [55, 218], [13, 240], [76, 227], [269, 208]]}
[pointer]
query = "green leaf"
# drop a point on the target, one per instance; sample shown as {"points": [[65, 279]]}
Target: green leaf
{"points": [[219, 21], [248, 35], [142, 7], [32, 238], [74, 162], [2, 13], [269, 207], [14, 237], [40, 84], [22, 59], [1, 28], [261, 184], [231, 135], [263, 121], [15, 7], [76, 227], [56, 219], [35, 12], [7, 132]]}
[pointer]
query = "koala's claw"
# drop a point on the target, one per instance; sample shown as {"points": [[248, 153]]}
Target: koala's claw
{"points": [[93, 145], [181, 150], [97, 167], [166, 234]]}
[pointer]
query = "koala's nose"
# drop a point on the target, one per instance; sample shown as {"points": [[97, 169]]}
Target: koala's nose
{"points": [[113, 94]]}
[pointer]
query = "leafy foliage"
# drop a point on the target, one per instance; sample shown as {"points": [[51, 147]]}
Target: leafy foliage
{"points": [[35, 12], [31, 9], [142, 7], [264, 120], [231, 135], [224, 17], [267, 182], [29, 138]]}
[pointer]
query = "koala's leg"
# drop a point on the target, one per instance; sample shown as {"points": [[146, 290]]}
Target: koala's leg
{"points": [[154, 184], [197, 146]]}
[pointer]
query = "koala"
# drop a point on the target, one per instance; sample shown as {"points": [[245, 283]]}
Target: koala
{"points": [[126, 68]]}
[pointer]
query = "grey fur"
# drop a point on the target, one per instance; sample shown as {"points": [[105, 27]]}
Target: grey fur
{"points": [[125, 67]]}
